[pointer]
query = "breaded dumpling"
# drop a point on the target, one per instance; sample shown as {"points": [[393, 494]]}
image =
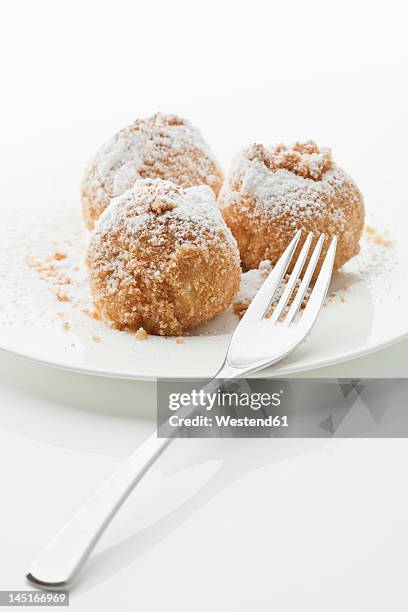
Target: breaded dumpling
{"points": [[273, 192], [161, 257], [162, 146]]}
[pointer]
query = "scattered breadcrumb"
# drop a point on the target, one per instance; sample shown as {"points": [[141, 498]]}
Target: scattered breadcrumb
{"points": [[45, 269], [66, 325], [94, 314], [141, 334], [58, 256], [376, 237], [382, 241], [95, 338], [63, 297], [179, 340], [330, 297], [343, 298], [49, 270]]}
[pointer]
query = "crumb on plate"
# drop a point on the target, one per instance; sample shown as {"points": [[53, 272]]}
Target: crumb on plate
{"points": [[141, 334], [377, 237], [63, 297], [58, 256]]}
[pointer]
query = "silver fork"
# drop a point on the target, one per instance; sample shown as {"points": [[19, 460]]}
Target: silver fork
{"points": [[257, 342]]}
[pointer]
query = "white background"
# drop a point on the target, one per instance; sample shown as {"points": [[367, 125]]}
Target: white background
{"points": [[294, 526], [63, 65]]}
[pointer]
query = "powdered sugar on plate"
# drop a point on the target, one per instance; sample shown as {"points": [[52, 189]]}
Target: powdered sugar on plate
{"points": [[41, 221], [252, 281], [45, 276]]}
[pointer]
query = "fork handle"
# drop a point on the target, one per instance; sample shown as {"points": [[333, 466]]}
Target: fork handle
{"points": [[60, 562]]}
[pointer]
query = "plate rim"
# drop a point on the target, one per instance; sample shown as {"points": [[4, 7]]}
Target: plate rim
{"points": [[285, 371]]}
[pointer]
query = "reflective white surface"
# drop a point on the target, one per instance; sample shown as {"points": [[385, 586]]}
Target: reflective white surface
{"points": [[264, 522]]}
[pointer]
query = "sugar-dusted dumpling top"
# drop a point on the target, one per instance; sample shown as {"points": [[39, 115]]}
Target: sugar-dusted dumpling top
{"points": [[162, 146], [271, 193]]}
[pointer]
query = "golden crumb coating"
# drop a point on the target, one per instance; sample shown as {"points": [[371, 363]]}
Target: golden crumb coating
{"points": [[161, 258], [272, 193], [162, 146]]}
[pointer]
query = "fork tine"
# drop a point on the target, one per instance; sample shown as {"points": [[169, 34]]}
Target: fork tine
{"points": [[265, 294], [321, 286], [305, 282], [292, 280]]}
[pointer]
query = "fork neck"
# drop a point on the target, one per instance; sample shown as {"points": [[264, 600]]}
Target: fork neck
{"points": [[229, 371]]}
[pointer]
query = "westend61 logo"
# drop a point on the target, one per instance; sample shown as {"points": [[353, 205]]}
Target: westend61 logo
{"points": [[224, 399]]}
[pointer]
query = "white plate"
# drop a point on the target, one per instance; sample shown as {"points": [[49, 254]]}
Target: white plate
{"points": [[42, 217]]}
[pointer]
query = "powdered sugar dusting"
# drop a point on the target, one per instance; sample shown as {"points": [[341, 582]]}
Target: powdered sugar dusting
{"points": [[32, 321], [150, 199], [252, 281], [297, 181], [145, 212], [162, 146], [161, 257]]}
